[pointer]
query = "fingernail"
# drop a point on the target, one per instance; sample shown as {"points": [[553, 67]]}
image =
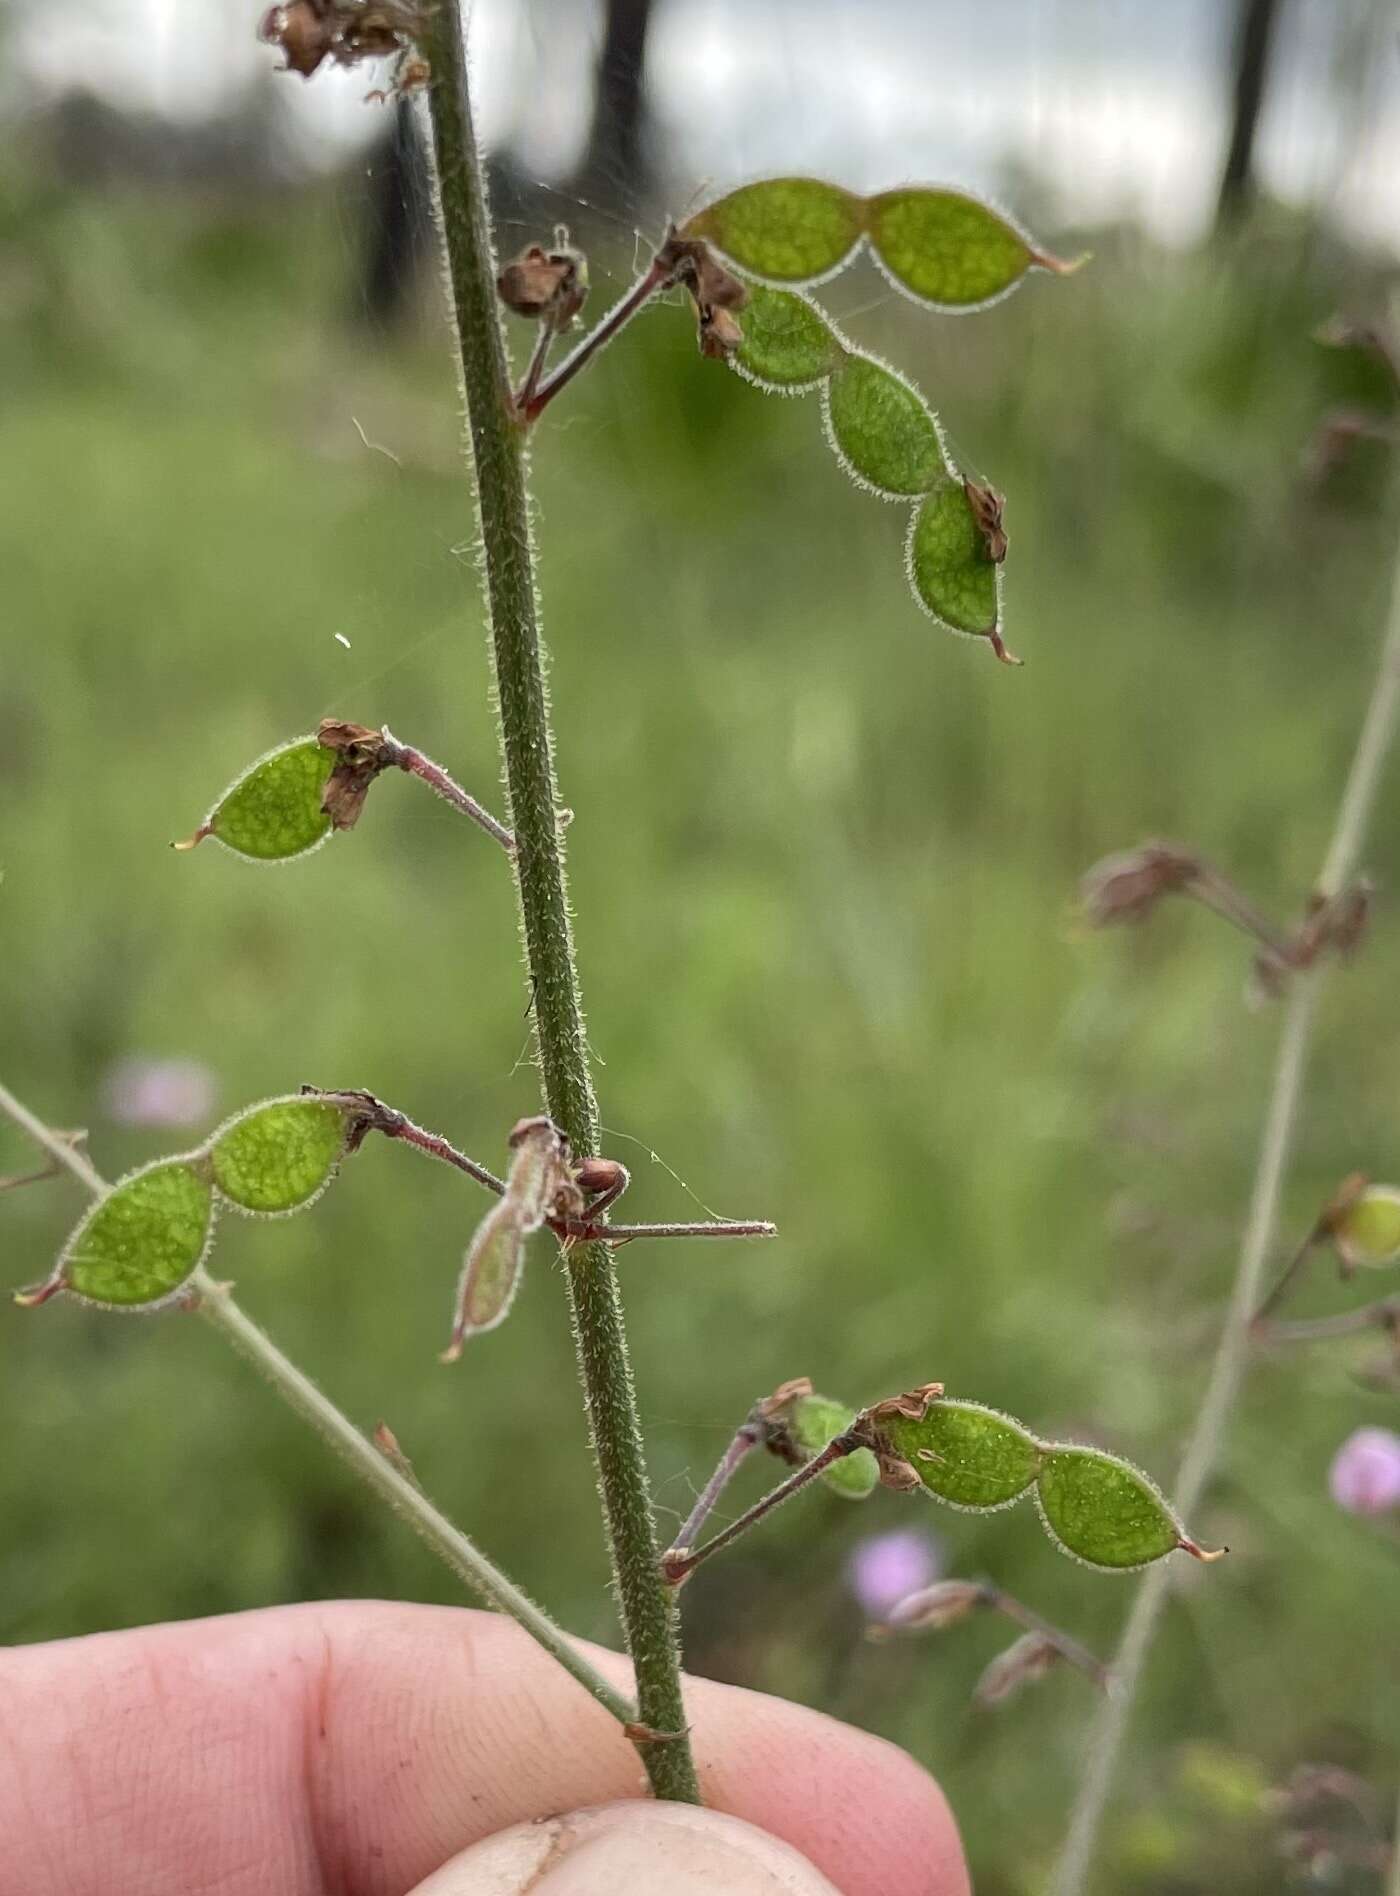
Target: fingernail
{"points": [[632, 1846]]}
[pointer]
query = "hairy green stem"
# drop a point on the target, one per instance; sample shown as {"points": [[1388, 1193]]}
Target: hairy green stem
{"points": [[498, 450], [1207, 1436], [297, 1390]]}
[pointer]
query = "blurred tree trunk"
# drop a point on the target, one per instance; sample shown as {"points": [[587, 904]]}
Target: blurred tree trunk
{"points": [[1254, 39], [397, 225], [616, 164]]}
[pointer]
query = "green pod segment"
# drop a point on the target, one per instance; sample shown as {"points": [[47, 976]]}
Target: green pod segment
{"points": [[273, 812], [883, 431], [813, 1421], [276, 1158], [143, 1240], [1368, 1231], [967, 1454], [950, 568], [491, 1274], [949, 250], [788, 346], [1104, 1512], [788, 230]]}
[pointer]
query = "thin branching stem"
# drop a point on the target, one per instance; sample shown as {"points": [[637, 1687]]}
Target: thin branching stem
{"points": [[415, 764], [1030, 1621], [679, 1562], [480, 1575], [659, 275], [498, 446], [1384, 1314], [375, 1116], [1232, 1352], [746, 1438], [539, 355], [1287, 1277]]}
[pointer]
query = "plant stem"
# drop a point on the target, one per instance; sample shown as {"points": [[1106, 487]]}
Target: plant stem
{"points": [[659, 275], [1207, 1437], [297, 1390], [374, 1116], [1068, 1648], [677, 1563], [471, 1566], [498, 448], [1382, 1315], [415, 764], [746, 1439]]}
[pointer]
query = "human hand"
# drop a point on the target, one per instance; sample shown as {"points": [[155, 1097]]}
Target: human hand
{"points": [[358, 1747]]}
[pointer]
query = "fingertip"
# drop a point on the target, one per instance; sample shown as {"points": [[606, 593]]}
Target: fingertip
{"points": [[861, 1809]]}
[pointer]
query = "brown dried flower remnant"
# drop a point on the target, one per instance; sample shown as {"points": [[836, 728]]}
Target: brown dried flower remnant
{"points": [[914, 1405], [361, 755], [715, 291], [548, 285], [346, 32], [1028, 1658], [1128, 886], [987, 505], [943, 1604]]}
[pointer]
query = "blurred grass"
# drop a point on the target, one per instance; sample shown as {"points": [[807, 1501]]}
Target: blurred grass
{"points": [[822, 863]]}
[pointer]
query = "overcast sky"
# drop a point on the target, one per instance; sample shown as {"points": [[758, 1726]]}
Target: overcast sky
{"points": [[1115, 105]]}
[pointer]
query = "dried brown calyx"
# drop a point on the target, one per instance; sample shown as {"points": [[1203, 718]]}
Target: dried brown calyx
{"points": [[549, 285], [716, 292], [347, 32], [913, 1405], [987, 504], [361, 755]]}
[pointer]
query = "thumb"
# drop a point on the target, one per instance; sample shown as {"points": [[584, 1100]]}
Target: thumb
{"points": [[616, 1849]]}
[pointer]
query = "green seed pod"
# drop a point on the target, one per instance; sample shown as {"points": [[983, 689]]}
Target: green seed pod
{"points": [[278, 1157], [950, 250], [885, 435], [1368, 1231], [812, 1422], [1104, 1511], [966, 1454], [788, 346], [273, 813], [144, 1239], [949, 568], [491, 1273], [790, 230]]}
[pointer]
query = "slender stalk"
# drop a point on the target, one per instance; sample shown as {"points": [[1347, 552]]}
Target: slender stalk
{"points": [[471, 1566], [658, 276], [1382, 1315], [1392, 1881], [527, 740], [412, 761], [745, 1440], [539, 355], [1068, 1648], [678, 1562], [1203, 1450], [1288, 1276], [377, 1117]]}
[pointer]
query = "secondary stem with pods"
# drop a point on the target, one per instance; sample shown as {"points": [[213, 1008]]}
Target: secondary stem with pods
{"points": [[1373, 747], [372, 1115], [216, 1304]]}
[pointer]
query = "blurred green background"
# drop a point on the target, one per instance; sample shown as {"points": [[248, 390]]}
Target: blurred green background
{"points": [[823, 864]]}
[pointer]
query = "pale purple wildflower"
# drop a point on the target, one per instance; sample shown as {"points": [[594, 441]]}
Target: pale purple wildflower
{"points": [[138, 1091], [886, 1567], [1365, 1473]]}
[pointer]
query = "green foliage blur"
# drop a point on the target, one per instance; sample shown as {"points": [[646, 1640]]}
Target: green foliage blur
{"points": [[823, 862]]}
